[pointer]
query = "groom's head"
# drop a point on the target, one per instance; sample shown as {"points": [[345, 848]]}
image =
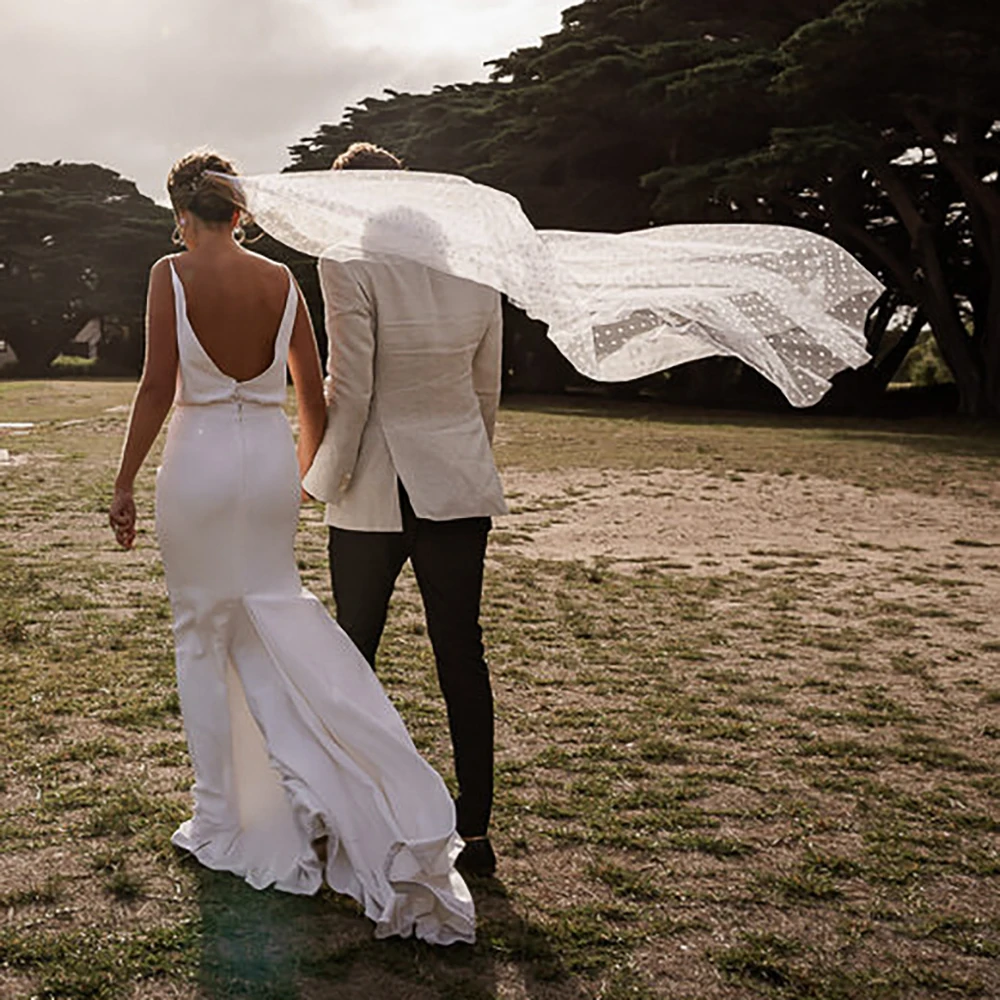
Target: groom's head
{"points": [[367, 156]]}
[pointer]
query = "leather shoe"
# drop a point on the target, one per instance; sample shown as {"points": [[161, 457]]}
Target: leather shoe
{"points": [[477, 857]]}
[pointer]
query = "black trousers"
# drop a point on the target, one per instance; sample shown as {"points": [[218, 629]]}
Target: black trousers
{"points": [[447, 559]]}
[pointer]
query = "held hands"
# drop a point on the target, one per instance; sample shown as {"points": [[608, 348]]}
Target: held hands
{"points": [[122, 517]]}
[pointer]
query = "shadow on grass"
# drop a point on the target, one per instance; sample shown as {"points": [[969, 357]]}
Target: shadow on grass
{"points": [[940, 435], [275, 946]]}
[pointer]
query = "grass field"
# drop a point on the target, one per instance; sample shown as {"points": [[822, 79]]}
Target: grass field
{"points": [[735, 758]]}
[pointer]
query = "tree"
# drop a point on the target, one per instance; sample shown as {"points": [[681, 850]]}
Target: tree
{"points": [[76, 241], [874, 122], [588, 103], [572, 125], [932, 146], [885, 137]]}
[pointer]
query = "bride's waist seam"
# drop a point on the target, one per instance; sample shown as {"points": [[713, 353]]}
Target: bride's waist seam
{"points": [[232, 403]]}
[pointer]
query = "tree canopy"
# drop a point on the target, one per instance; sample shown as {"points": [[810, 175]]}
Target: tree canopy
{"points": [[875, 122], [872, 121], [76, 241], [886, 138]]}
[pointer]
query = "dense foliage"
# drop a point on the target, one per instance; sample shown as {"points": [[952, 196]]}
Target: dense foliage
{"points": [[76, 241], [872, 121], [876, 122]]}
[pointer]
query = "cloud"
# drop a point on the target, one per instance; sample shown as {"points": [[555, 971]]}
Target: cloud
{"points": [[485, 29], [134, 85]]}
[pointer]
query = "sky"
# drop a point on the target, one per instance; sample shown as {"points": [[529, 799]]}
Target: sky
{"points": [[134, 84]]}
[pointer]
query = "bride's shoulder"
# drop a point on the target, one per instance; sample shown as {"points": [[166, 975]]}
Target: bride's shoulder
{"points": [[260, 268], [262, 263], [264, 272], [161, 268]]}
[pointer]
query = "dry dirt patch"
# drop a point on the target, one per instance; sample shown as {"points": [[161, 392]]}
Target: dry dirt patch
{"points": [[714, 523]]}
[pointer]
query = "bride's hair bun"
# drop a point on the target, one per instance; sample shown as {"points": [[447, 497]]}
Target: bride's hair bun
{"points": [[193, 187]]}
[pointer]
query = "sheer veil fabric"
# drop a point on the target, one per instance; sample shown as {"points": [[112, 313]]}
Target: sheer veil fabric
{"points": [[789, 303]]}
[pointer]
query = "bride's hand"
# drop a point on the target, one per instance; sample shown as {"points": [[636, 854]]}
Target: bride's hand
{"points": [[122, 517]]}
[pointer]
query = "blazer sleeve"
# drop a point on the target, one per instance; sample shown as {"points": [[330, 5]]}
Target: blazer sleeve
{"points": [[350, 328], [487, 368]]}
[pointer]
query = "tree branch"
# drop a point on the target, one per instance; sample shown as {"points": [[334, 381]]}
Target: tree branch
{"points": [[954, 159], [888, 365]]}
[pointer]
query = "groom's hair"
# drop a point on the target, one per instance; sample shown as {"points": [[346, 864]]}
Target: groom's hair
{"points": [[367, 156]]}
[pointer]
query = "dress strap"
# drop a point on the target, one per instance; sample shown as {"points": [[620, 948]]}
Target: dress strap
{"points": [[291, 307], [180, 302]]}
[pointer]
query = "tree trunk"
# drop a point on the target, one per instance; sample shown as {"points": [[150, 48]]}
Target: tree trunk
{"points": [[938, 302], [936, 298], [953, 341], [37, 345], [33, 358], [980, 395], [989, 342], [863, 390], [888, 365]]}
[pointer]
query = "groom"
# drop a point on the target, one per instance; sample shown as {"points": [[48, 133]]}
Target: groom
{"points": [[406, 469]]}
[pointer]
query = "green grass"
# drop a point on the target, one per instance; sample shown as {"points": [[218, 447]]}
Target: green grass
{"points": [[711, 783], [927, 456]]}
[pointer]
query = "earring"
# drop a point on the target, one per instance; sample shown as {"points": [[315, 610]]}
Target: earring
{"points": [[176, 237], [239, 234]]}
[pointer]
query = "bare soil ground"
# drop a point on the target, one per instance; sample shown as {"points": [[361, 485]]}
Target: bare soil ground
{"points": [[748, 711]]}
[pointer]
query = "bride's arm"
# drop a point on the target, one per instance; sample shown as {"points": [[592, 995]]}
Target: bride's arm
{"points": [[307, 377], [152, 399]]}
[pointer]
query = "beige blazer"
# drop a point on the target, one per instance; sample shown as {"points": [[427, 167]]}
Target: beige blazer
{"points": [[413, 388]]}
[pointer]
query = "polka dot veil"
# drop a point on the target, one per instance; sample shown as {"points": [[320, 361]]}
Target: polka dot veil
{"points": [[787, 302]]}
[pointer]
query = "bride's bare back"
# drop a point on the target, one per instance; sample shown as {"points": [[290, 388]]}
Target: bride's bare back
{"points": [[235, 301]]}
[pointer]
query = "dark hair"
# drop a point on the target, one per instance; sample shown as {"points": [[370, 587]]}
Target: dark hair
{"points": [[193, 189], [367, 156]]}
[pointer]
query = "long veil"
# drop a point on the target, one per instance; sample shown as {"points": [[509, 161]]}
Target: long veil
{"points": [[789, 303]]}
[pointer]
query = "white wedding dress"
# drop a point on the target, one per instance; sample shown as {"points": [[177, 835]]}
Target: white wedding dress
{"points": [[291, 736]]}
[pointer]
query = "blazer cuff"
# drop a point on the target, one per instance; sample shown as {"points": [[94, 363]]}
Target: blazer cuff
{"points": [[327, 479]]}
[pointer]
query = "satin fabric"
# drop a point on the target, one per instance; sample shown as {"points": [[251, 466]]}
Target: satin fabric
{"points": [[291, 736]]}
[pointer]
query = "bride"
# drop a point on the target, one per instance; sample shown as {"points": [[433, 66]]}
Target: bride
{"points": [[303, 769]]}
